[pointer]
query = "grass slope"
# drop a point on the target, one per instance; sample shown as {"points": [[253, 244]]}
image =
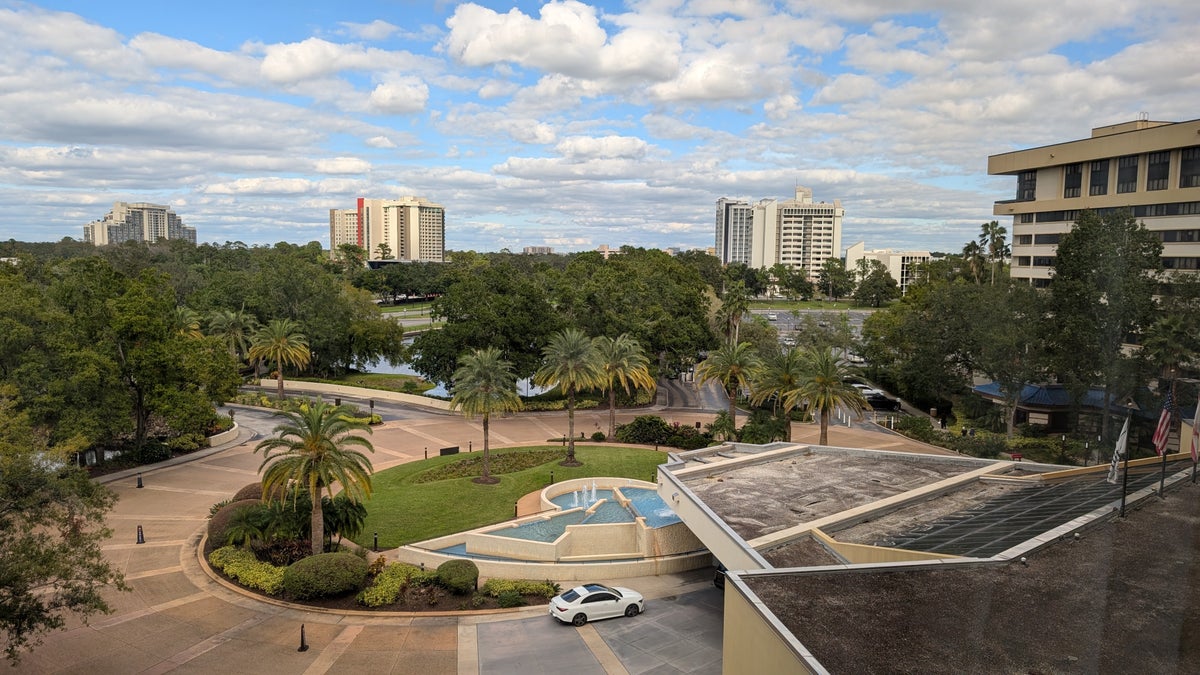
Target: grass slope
{"points": [[402, 510]]}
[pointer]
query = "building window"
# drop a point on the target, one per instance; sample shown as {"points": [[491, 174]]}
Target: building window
{"points": [[1189, 167], [1098, 179], [1022, 260], [1023, 239], [1046, 238], [1026, 186], [1043, 261], [1127, 168], [1158, 166], [1181, 263], [1025, 218], [1072, 180]]}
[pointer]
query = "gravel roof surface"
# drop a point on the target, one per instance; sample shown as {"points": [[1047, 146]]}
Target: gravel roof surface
{"points": [[763, 498], [1124, 598]]}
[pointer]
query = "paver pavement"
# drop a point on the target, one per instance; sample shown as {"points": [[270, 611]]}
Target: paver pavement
{"points": [[177, 619]]}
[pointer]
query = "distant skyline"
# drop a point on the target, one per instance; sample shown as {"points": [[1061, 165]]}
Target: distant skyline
{"points": [[564, 124]]}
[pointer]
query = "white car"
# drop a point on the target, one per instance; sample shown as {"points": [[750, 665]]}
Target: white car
{"points": [[591, 602], [772, 317]]}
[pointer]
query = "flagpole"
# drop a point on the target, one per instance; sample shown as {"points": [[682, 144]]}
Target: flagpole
{"points": [[1162, 476], [1125, 477]]}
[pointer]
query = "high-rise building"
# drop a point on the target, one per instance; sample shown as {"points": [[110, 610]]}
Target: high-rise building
{"points": [[735, 226], [798, 233], [900, 264], [408, 228], [1151, 168], [137, 221]]}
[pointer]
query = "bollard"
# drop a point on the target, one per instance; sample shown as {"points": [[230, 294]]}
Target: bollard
{"points": [[337, 401], [552, 478], [372, 402], [469, 446], [139, 484], [515, 509], [376, 546], [303, 644], [141, 537], [426, 453]]}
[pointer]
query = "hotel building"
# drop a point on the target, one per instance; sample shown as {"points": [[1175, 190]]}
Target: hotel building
{"points": [[412, 228], [798, 232], [900, 264], [1151, 168], [137, 221]]}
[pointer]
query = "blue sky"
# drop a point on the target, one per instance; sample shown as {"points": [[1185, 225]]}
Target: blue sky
{"points": [[566, 124]]}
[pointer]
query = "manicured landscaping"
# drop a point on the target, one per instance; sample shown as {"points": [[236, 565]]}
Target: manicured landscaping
{"points": [[403, 510], [409, 384]]}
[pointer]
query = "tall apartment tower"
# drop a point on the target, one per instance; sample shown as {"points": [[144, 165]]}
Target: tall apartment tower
{"points": [[414, 229], [735, 224], [798, 232], [137, 221], [1152, 168], [344, 228]]}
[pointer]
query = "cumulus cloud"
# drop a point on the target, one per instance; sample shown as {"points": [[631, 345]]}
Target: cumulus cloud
{"points": [[376, 30], [586, 147], [401, 95], [342, 165]]}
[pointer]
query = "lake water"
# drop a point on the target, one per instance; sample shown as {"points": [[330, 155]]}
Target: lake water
{"points": [[524, 387]]}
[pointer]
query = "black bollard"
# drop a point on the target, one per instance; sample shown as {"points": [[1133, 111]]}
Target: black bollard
{"points": [[376, 546], [552, 478], [515, 509], [141, 537], [303, 644], [140, 480], [469, 448], [426, 453]]}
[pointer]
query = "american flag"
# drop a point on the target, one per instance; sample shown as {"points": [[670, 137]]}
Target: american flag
{"points": [[1196, 433], [1163, 431]]}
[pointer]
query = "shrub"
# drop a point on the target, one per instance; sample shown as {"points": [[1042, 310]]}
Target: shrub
{"points": [[511, 599], [599, 437], [391, 582], [212, 510], [241, 565], [324, 575], [219, 521], [377, 566], [545, 589], [251, 491], [919, 428], [458, 576]]}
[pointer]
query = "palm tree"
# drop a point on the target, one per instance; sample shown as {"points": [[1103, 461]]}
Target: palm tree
{"points": [[234, 329], [780, 374], [484, 383], [824, 388], [624, 364], [186, 322], [972, 255], [733, 365], [313, 449], [280, 343], [734, 304], [992, 240], [571, 363]]}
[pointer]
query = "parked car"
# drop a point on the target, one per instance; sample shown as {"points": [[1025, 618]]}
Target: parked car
{"points": [[772, 317], [591, 602]]}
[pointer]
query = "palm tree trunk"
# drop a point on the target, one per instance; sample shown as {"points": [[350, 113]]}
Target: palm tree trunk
{"points": [[571, 425], [732, 393], [279, 379], [487, 476], [612, 412], [318, 522], [824, 426]]}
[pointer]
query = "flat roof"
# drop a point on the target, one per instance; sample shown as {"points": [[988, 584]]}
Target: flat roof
{"points": [[769, 496], [1121, 598]]}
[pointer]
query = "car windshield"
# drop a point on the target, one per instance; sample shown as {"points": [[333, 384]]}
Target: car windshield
{"points": [[570, 596]]}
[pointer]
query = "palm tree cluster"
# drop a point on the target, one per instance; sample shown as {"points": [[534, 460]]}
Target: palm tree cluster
{"points": [[484, 381], [798, 377]]}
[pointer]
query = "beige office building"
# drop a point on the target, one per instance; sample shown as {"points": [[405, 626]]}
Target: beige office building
{"points": [[799, 232], [137, 221], [413, 228], [900, 264], [1152, 168]]}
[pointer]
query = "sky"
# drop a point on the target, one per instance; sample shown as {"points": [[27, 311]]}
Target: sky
{"points": [[563, 124]]}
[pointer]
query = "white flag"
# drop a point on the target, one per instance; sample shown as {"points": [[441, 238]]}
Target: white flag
{"points": [[1118, 453], [1196, 433]]}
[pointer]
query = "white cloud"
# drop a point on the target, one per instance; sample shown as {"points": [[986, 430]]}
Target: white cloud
{"points": [[376, 30], [400, 95], [342, 165], [586, 147]]}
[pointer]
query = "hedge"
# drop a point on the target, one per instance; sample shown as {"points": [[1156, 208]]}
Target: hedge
{"points": [[392, 581], [241, 565], [496, 587], [220, 520], [460, 577], [325, 575]]}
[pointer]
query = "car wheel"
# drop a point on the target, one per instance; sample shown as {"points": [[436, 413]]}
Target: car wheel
{"points": [[579, 619], [631, 610]]}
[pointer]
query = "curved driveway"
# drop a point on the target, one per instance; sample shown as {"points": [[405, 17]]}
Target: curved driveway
{"points": [[177, 619]]}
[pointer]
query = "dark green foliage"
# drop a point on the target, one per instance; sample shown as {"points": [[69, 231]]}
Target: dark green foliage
{"points": [[654, 430], [511, 599], [219, 523], [919, 428], [470, 465], [460, 577], [598, 437], [325, 575]]}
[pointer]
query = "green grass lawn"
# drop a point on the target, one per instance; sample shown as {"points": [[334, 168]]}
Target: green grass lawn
{"points": [[383, 381], [413, 310], [402, 510], [789, 305]]}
